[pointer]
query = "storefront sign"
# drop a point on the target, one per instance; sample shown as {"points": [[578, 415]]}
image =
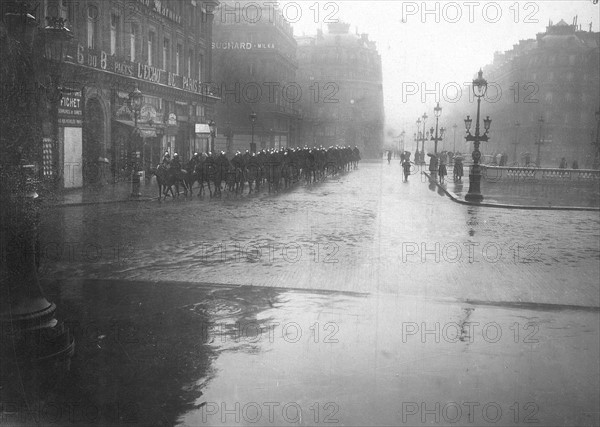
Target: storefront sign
{"points": [[201, 128], [242, 46], [70, 112], [101, 60]]}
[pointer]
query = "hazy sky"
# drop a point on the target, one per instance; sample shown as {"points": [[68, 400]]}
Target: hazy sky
{"points": [[448, 45]]}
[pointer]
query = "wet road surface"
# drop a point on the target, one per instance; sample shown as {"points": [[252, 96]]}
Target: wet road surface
{"points": [[372, 302], [365, 232]]}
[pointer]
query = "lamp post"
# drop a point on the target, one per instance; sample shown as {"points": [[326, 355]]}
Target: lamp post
{"points": [[417, 139], [29, 331], [135, 103], [539, 142], [213, 132], [402, 134], [454, 126], [596, 163], [517, 125], [479, 90], [252, 122], [437, 112], [423, 138]]}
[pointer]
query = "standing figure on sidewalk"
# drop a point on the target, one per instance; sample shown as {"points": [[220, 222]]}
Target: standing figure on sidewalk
{"points": [[442, 171], [406, 168], [389, 156], [458, 169]]}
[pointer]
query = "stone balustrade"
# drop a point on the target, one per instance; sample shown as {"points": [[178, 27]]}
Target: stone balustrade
{"points": [[531, 173]]}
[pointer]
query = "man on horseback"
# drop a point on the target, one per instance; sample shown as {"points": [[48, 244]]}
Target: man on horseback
{"points": [[166, 160]]}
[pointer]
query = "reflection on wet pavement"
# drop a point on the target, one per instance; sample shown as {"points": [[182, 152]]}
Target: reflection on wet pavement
{"points": [[366, 231], [171, 353]]}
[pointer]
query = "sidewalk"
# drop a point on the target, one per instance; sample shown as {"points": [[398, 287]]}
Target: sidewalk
{"points": [[110, 193], [524, 195]]}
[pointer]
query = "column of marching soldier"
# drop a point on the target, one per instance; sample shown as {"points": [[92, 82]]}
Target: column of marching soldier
{"points": [[276, 169]]}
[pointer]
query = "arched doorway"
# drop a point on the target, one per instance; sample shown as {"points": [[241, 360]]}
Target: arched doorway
{"points": [[93, 139]]}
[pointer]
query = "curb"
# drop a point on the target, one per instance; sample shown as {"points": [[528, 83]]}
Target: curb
{"points": [[457, 199], [100, 202]]}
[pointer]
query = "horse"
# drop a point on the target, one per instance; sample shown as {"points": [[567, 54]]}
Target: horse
{"points": [[253, 173], [166, 178], [202, 175]]}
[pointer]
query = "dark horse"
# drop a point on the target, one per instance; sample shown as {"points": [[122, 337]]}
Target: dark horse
{"points": [[166, 178]]}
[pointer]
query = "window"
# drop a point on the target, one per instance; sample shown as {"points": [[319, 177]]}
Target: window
{"points": [[133, 41], [151, 44], [200, 67], [190, 62], [114, 33], [166, 53], [92, 27], [178, 58]]}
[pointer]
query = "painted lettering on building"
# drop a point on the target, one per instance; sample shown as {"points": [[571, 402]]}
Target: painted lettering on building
{"points": [[242, 45]]}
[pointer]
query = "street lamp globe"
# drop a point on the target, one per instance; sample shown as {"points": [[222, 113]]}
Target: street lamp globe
{"points": [[487, 122], [468, 122], [480, 85], [253, 117], [135, 100], [437, 111]]}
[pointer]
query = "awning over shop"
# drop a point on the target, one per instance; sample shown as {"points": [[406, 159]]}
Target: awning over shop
{"points": [[145, 130]]}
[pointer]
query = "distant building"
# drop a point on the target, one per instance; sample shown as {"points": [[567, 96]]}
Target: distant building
{"points": [[341, 80], [555, 76], [254, 56]]}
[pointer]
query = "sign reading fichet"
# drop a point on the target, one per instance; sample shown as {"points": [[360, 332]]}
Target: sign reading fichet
{"points": [[70, 112]]}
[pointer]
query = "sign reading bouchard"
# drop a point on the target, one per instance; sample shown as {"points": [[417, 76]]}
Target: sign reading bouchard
{"points": [[242, 45]]}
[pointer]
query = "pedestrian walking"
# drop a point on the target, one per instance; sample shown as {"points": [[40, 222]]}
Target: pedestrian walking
{"points": [[575, 165], [442, 170], [389, 156], [563, 163], [406, 168]]}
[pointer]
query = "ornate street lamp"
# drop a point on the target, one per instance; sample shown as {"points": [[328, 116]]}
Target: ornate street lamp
{"points": [[539, 142], [479, 90], [213, 132], [423, 137], [454, 127], [437, 111], [417, 138], [29, 330], [136, 99], [517, 125], [252, 122], [596, 164]]}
